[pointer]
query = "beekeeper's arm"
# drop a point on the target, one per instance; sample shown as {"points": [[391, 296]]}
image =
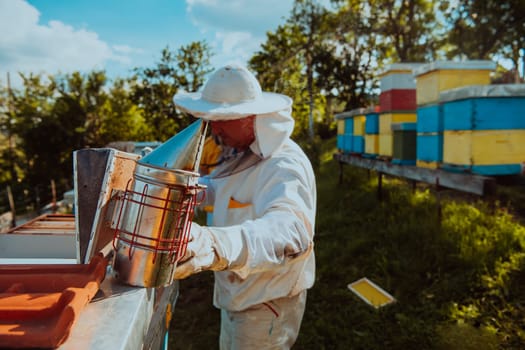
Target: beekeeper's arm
{"points": [[284, 203]]}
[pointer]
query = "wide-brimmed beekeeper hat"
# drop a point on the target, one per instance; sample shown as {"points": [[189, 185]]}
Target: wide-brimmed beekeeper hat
{"points": [[231, 92]]}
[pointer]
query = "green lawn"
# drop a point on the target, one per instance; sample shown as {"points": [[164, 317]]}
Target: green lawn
{"points": [[459, 282]]}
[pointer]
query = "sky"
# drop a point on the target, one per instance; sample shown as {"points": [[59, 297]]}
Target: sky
{"points": [[61, 36]]}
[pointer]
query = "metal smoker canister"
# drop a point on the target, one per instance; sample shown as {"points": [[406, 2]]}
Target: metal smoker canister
{"points": [[153, 219]]}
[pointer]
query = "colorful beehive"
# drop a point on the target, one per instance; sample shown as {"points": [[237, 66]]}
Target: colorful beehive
{"points": [[484, 129], [397, 102], [385, 145], [398, 87], [340, 133], [372, 132], [429, 136], [347, 141], [385, 129], [404, 143], [372, 121], [429, 152], [436, 77], [345, 130], [371, 145], [359, 132]]}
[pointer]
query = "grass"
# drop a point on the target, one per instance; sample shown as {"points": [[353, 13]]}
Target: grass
{"points": [[459, 282]]}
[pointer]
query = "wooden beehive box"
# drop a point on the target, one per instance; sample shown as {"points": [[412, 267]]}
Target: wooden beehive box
{"points": [[484, 129], [404, 143], [47, 238], [371, 145], [436, 77], [398, 87]]}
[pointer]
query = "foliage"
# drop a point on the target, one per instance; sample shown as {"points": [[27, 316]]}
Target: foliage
{"points": [[482, 29], [410, 28], [153, 88], [48, 118], [327, 59], [347, 63]]}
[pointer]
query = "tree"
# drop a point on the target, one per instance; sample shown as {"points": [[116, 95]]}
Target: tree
{"points": [[409, 27], [308, 16], [153, 88], [122, 120], [348, 61], [483, 29], [286, 64]]}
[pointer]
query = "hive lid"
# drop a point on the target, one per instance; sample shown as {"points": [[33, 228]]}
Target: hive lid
{"points": [[371, 293], [400, 68], [453, 65], [351, 113], [475, 91]]}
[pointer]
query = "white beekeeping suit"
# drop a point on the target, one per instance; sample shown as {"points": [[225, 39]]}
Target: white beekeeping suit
{"points": [[260, 242]]}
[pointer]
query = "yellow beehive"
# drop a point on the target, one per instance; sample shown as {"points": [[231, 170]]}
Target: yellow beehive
{"points": [[432, 78], [386, 120], [340, 126], [372, 143], [484, 147], [359, 125], [385, 145]]}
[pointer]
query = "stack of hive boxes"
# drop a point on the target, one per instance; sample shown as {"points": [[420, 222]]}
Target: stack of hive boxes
{"points": [[431, 80], [340, 133], [345, 130], [371, 132], [484, 129], [359, 131], [397, 103], [404, 143]]}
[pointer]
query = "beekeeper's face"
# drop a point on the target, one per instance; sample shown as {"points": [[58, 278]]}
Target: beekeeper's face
{"points": [[236, 133]]}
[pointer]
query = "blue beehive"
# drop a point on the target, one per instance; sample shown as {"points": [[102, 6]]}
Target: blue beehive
{"points": [[429, 118], [484, 129], [429, 149], [429, 135], [372, 123], [358, 144]]}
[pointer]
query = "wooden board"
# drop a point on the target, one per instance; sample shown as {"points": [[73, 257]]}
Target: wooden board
{"points": [[480, 185]]}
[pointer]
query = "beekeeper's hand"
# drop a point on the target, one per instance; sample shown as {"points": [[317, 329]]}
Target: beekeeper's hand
{"points": [[202, 253]]}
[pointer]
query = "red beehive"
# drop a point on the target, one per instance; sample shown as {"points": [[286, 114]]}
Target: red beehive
{"points": [[398, 100]]}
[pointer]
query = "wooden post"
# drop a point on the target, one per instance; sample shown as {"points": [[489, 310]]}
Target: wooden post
{"points": [[54, 196], [37, 200], [11, 205], [438, 202], [380, 186], [340, 173]]}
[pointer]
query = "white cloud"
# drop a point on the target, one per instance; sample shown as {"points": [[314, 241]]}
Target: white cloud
{"points": [[53, 47], [239, 26]]}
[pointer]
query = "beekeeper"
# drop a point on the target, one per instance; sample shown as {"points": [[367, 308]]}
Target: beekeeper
{"points": [[263, 193]]}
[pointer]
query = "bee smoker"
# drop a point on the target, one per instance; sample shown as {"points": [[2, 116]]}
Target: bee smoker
{"points": [[152, 219]]}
